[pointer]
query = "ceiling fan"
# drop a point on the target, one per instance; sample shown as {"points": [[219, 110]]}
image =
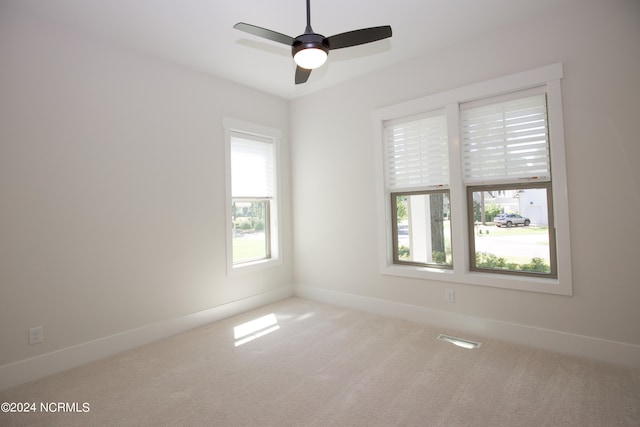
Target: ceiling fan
{"points": [[310, 50]]}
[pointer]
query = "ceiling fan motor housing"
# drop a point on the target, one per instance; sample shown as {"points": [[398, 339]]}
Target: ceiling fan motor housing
{"points": [[309, 41]]}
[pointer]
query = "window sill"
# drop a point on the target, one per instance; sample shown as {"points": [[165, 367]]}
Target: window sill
{"points": [[521, 283], [247, 267]]}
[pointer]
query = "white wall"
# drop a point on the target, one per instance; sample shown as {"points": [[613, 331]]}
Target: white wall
{"points": [[112, 189], [334, 185]]}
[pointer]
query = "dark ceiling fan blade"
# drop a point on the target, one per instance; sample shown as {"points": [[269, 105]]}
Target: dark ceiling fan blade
{"points": [[302, 75], [357, 37], [264, 33]]}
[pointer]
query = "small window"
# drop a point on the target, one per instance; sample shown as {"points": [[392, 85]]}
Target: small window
{"points": [[251, 192], [253, 209]]}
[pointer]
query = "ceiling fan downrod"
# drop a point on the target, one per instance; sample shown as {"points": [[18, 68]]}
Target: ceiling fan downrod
{"points": [[310, 50]]}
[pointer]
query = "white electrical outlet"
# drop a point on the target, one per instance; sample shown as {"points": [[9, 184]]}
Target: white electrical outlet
{"points": [[449, 295], [36, 335]]}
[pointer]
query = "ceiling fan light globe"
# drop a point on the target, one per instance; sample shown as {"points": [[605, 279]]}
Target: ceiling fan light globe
{"points": [[310, 58]]}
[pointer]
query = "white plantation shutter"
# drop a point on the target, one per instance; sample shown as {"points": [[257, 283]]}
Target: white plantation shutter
{"points": [[252, 166], [417, 152], [506, 140]]}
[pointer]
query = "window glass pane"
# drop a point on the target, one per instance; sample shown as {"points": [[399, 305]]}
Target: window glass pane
{"points": [[512, 231], [422, 228], [250, 230]]}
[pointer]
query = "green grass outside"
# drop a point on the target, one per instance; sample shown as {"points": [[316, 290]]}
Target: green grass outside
{"points": [[493, 231], [248, 249]]}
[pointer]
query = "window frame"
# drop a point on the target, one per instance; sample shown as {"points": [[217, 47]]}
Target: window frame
{"points": [[547, 77], [267, 227], [394, 226], [547, 185], [274, 237]]}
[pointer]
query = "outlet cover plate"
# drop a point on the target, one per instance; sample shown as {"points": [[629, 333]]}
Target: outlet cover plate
{"points": [[36, 335], [449, 295]]}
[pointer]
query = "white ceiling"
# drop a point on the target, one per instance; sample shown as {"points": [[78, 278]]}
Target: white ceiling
{"points": [[199, 33]]}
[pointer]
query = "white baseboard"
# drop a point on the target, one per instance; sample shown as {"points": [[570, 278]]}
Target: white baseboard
{"points": [[619, 353], [23, 371]]}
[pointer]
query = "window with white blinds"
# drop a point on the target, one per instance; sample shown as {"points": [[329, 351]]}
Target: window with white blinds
{"points": [[416, 152], [253, 209], [506, 140], [468, 191], [252, 166]]}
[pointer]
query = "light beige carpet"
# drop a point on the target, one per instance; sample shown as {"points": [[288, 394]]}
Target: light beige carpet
{"points": [[329, 366]]}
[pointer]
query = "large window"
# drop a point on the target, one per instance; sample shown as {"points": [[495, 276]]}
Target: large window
{"points": [[474, 185], [252, 194]]}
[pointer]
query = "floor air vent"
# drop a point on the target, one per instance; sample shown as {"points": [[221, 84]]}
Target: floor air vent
{"points": [[460, 342]]}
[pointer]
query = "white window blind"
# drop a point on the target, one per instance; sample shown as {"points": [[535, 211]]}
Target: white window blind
{"points": [[417, 152], [252, 166], [506, 140]]}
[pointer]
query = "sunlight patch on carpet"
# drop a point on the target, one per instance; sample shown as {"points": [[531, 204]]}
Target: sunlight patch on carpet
{"points": [[256, 328]]}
